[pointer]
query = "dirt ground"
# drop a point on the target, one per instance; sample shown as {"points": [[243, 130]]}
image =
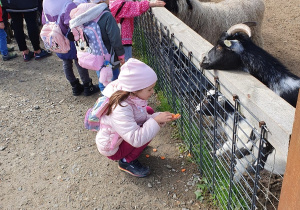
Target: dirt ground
{"points": [[49, 161]]}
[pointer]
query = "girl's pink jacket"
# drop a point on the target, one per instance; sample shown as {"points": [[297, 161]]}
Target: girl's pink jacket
{"points": [[130, 122], [130, 10]]}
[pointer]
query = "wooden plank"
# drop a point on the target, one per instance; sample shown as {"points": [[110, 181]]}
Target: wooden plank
{"points": [[290, 191], [260, 100]]}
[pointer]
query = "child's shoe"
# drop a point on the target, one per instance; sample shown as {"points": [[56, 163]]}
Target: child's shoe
{"points": [[9, 56], [27, 57], [135, 168], [42, 54], [90, 89], [77, 88]]}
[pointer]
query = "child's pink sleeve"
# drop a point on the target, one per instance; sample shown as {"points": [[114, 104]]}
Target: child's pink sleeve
{"points": [[133, 9]]}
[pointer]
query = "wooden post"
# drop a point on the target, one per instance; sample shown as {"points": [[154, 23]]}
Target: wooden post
{"points": [[290, 191]]}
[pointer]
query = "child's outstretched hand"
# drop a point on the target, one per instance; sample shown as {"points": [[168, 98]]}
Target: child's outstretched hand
{"points": [[157, 3], [164, 117]]}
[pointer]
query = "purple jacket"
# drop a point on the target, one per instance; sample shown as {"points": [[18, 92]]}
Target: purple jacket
{"points": [[54, 8]]}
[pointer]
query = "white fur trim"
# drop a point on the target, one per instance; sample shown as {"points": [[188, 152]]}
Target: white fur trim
{"points": [[88, 15]]}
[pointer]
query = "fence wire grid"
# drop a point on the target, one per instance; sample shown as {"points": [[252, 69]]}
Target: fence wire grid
{"points": [[234, 156]]}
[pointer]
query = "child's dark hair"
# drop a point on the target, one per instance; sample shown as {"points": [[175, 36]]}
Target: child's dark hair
{"points": [[115, 99]]}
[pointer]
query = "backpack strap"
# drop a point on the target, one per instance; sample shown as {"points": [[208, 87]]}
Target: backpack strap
{"points": [[97, 19], [102, 13]]}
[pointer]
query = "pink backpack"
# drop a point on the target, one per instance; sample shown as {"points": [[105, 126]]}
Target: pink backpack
{"points": [[53, 38], [93, 115], [91, 51]]}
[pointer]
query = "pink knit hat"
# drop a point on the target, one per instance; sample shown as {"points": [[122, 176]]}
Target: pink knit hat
{"points": [[136, 75]]}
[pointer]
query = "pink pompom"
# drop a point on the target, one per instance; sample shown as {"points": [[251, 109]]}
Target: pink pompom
{"points": [[106, 75]]}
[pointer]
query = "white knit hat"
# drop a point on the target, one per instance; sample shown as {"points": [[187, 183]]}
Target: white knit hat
{"points": [[136, 75]]}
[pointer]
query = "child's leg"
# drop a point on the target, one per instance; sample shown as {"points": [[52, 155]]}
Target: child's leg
{"points": [[3, 43], [128, 152], [33, 30], [77, 88], [6, 55], [17, 18], [89, 88], [68, 70], [83, 73], [128, 52]]}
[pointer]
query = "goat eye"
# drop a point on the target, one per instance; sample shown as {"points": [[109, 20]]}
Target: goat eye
{"points": [[219, 47]]}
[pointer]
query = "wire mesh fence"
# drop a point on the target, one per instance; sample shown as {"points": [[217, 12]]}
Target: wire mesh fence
{"points": [[233, 155]]}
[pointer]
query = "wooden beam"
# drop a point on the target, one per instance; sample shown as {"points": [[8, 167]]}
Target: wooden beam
{"points": [[290, 191]]}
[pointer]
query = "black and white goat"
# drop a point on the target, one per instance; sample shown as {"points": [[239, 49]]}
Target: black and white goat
{"points": [[247, 143], [236, 51]]}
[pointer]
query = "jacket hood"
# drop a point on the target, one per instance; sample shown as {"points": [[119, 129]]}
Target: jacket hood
{"points": [[85, 12]]}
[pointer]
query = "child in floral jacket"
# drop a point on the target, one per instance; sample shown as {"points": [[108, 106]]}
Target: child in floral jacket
{"points": [[124, 12]]}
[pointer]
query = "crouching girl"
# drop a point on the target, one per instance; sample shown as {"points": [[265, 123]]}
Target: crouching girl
{"points": [[126, 128]]}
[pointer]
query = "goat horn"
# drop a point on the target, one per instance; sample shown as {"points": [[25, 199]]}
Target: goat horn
{"points": [[239, 28]]}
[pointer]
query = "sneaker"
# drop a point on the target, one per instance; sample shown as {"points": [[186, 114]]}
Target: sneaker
{"points": [[42, 54], [9, 56], [135, 168], [27, 57]]}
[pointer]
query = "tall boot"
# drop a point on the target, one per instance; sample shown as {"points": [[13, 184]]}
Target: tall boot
{"points": [[90, 89], [77, 88]]}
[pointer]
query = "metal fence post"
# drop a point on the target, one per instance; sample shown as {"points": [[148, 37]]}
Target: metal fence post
{"points": [[201, 136], [190, 97], [217, 84], [263, 134], [181, 86], [233, 147], [171, 58]]}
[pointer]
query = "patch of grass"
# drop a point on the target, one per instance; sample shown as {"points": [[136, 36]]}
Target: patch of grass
{"points": [[163, 103], [202, 189]]}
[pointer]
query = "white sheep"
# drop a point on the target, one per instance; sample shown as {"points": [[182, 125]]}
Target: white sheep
{"points": [[210, 19]]}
